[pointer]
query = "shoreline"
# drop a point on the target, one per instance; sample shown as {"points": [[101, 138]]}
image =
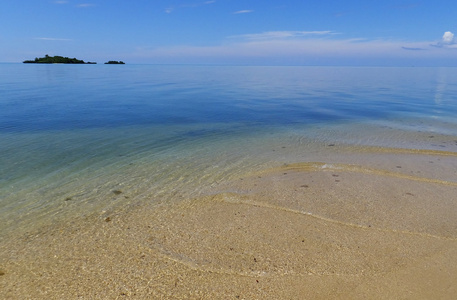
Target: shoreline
{"points": [[358, 225]]}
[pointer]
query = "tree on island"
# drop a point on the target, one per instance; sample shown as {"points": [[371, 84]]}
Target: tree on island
{"points": [[56, 60], [114, 62]]}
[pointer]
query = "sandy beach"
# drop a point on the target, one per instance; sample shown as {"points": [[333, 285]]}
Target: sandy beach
{"points": [[371, 224]]}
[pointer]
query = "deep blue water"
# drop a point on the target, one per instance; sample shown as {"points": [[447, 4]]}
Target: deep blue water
{"points": [[64, 97], [79, 131]]}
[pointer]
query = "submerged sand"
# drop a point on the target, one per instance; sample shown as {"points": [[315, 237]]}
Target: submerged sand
{"points": [[366, 225]]}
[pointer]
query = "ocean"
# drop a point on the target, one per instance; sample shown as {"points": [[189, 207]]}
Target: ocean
{"points": [[78, 140]]}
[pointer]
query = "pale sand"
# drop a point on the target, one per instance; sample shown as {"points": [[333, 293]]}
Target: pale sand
{"points": [[367, 226]]}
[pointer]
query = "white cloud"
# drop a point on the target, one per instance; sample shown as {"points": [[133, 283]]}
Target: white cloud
{"points": [[245, 11], [275, 35], [83, 5], [448, 37], [51, 39], [170, 9], [447, 41]]}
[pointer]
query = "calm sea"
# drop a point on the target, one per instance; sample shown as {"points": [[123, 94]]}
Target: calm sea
{"points": [[81, 139]]}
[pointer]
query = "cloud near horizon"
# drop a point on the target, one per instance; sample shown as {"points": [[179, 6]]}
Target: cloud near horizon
{"points": [[296, 46], [283, 47], [275, 35], [447, 41], [412, 49], [448, 37]]}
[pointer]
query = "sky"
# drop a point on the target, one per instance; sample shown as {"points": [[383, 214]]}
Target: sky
{"points": [[233, 32]]}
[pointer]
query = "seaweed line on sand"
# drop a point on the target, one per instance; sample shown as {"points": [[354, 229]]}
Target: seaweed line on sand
{"points": [[229, 198], [321, 166], [407, 151]]}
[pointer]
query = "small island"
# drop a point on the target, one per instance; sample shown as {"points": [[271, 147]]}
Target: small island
{"points": [[114, 62], [56, 60]]}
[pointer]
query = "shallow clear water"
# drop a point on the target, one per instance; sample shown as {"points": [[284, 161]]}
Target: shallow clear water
{"points": [[79, 139]]}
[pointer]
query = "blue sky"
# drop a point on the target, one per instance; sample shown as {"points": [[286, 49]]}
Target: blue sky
{"points": [[283, 32]]}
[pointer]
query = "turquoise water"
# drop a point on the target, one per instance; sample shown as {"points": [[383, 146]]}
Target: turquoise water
{"points": [[82, 139]]}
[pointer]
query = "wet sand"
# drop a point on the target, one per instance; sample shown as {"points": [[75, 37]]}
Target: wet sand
{"points": [[372, 224]]}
